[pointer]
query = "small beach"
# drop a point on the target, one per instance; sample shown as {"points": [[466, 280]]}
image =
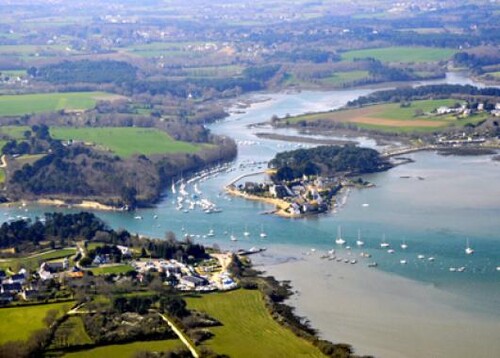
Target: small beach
{"points": [[380, 314]]}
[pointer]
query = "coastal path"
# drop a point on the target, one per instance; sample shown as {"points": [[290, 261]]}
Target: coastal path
{"points": [[4, 162], [181, 335], [400, 151], [245, 176]]}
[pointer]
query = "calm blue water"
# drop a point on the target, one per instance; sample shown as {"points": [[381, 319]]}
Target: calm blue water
{"points": [[459, 198]]}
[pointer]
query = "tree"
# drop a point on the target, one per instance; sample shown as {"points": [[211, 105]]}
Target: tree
{"points": [[50, 317], [128, 196], [174, 306]]}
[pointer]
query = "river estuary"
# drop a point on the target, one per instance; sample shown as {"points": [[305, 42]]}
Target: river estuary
{"points": [[392, 310]]}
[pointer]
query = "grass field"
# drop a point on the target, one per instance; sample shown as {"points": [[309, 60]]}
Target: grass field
{"points": [[13, 73], [214, 71], [31, 262], [2, 172], [14, 132], [128, 349], [248, 327], [17, 323], [126, 141], [17, 105], [71, 332], [393, 118], [343, 78], [116, 269], [165, 49], [495, 75], [401, 54]]}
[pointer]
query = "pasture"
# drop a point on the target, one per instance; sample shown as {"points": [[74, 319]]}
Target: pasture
{"points": [[339, 79], [248, 327], [17, 323], [419, 116], [127, 349], [126, 141], [18, 105], [402, 54], [111, 269]]}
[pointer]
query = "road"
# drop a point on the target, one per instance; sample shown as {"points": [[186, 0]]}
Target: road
{"points": [[181, 335]]}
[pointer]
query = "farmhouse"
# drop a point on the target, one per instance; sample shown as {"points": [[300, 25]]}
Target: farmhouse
{"points": [[17, 278], [193, 281], [124, 250], [11, 288]]}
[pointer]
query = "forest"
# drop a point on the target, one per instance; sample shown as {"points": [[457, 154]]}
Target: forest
{"points": [[327, 161]]}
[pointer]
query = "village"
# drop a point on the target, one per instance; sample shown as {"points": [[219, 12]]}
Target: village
{"points": [[298, 197], [53, 280]]}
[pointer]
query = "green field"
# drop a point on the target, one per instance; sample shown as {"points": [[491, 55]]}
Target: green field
{"points": [[70, 333], [393, 118], [18, 105], [495, 75], [214, 71], [2, 173], [32, 262], [14, 73], [128, 349], [395, 111], [107, 270], [165, 49], [401, 54], [126, 141], [248, 327], [17, 323], [14, 132], [345, 78]]}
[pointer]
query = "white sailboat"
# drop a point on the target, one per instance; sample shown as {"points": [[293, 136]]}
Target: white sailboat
{"points": [[246, 233], [468, 250], [233, 238], [359, 242], [384, 244], [262, 232], [211, 233], [339, 240], [182, 189], [404, 246]]}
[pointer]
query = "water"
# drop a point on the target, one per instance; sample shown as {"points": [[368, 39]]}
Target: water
{"points": [[458, 198]]}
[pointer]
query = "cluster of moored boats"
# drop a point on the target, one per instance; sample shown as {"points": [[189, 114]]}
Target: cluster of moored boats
{"points": [[187, 202], [340, 241], [232, 236]]}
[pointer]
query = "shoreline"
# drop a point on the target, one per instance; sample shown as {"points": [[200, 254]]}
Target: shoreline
{"points": [[379, 313], [280, 205], [84, 204]]}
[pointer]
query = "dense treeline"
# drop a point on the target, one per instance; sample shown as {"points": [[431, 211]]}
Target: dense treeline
{"points": [[80, 172], [85, 71], [55, 226], [27, 235], [475, 61], [37, 140], [423, 92], [327, 161]]}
